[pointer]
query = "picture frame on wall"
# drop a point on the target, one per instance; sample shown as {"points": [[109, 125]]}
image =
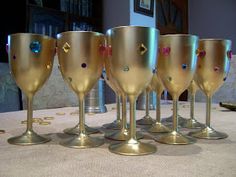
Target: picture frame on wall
{"points": [[145, 7]]}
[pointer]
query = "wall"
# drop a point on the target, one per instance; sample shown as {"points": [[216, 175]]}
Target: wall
{"points": [[142, 20], [115, 13], [213, 19]]}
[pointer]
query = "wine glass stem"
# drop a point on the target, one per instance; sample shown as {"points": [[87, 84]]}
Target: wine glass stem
{"points": [[132, 100], [147, 103], [208, 111], [118, 107], [192, 102], [29, 113], [81, 114], [175, 114], [158, 107], [124, 121]]}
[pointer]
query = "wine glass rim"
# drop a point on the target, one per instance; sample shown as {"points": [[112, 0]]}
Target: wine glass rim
{"points": [[31, 34], [178, 35], [214, 39], [131, 26], [88, 32]]}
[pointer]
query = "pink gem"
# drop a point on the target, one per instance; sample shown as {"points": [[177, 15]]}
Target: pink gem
{"points": [[230, 54], [216, 68], [165, 51]]}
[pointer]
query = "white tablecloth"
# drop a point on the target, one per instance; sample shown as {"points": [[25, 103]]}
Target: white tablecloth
{"points": [[206, 158]]}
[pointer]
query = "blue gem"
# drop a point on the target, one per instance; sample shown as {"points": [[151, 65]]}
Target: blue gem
{"points": [[154, 71], [35, 46], [126, 68], [184, 66]]}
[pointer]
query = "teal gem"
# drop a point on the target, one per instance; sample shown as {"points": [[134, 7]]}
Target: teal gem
{"points": [[35, 46]]}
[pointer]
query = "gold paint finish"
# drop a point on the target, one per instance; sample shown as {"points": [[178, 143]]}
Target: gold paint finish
{"points": [[83, 63], [179, 64], [30, 71], [213, 68], [124, 42]]}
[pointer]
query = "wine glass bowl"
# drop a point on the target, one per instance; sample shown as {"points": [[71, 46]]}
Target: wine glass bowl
{"points": [[133, 59], [212, 69], [81, 62], [176, 68], [31, 60]]}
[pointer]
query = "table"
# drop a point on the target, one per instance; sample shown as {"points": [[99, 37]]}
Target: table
{"points": [[206, 158]]}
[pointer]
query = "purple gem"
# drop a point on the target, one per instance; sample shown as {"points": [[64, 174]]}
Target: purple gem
{"points": [[230, 54], [83, 65], [201, 53]]}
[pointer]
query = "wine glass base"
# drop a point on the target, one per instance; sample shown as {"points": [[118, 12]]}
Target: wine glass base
{"points": [[208, 133], [132, 148], [28, 138], [82, 141], [75, 130], [115, 125], [146, 120], [170, 120], [158, 128], [122, 135], [175, 138], [192, 123]]}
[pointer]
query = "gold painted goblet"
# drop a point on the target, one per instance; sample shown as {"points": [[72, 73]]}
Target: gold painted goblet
{"points": [[192, 122], [212, 68], [147, 119], [176, 67], [31, 59], [134, 55], [80, 57], [157, 85]]}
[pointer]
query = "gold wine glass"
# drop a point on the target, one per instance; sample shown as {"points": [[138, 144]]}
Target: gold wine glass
{"points": [[157, 126], [212, 68], [147, 119], [176, 67], [134, 55], [192, 122], [31, 59], [81, 60]]}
